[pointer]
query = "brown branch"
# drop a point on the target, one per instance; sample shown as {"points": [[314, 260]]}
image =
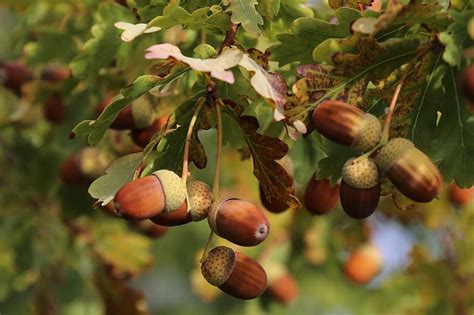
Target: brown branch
{"points": [[229, 39]]}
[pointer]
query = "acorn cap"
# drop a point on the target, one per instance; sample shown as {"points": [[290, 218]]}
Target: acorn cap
{"points": [[173, 189], [391, 152], [218, 265], [360, 173], [200, 199], [143, 114], [368, 135]]}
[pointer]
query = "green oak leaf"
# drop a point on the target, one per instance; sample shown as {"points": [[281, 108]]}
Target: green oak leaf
{"points": [[456, 37], [171, 147], [453, 146], [308, 33], [348, 78], [331, 165], [99, 51], [245, 13], [119, 172], [95, 129], [214, 22]]}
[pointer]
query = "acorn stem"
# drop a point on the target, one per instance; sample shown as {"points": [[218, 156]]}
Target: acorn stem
{"points": [[215, 185], [184, 175], [393, 102], [207, 248]]}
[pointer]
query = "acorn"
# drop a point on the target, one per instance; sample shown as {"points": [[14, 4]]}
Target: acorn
{"points": [[148, 196], [83, 167], [348, 125], [410, 170], [320, 197], [150, 229], [13, 75], [360, 187], [238, 221], [363, 264], [139, 115], [143, 136], [200, 198], [234, 273], [460, 196], [467, 83], [284, 289], [54, 74], [53, 109]]}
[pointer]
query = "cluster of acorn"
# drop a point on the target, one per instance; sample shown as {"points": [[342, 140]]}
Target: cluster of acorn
{"points": [[409, 170], [166, 200], [15, 75]]}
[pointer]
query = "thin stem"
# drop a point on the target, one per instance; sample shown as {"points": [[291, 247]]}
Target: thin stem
{"points": [[393, 102], [215, 187], [184, 175], [229, 37], [217, 172]]}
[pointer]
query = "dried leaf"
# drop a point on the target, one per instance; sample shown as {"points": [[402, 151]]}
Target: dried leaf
{"points": [[217, 67]]}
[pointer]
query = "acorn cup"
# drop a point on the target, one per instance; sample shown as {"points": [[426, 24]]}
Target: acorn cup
{"points": [[320, 197], [148, 196], [238, 221], [348, 125], [410, 170], [200, 198], [363, 264], [143, 136], [139, 115], [234, 273], [360, 187]]}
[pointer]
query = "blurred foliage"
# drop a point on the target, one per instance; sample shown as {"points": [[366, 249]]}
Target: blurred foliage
{"points": [[62, 255]]}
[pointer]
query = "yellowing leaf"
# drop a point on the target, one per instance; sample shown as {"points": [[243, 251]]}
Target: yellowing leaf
{"points": [[132, 31]]}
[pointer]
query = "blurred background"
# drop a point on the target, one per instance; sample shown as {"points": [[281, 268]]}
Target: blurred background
{"points": [[60, 255]]}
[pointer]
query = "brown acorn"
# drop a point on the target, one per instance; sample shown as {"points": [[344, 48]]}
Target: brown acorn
{"points": [[148, 196], [13, 75], [460, 196], [238, 221], [360, 187], [150, 229], [320, 197], [143, 136], [363, 264], [54, 74], [467, 83], [284, 289], [179, 217], [53, 109], [139, 115], [347, 124], [410, 170], [234, 273], [83, 167]]}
